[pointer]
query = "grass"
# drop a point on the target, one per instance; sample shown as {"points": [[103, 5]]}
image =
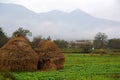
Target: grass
{"points": [[79, 67]]}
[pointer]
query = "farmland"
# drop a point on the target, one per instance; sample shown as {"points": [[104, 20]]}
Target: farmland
{"points": [[79, 67]]}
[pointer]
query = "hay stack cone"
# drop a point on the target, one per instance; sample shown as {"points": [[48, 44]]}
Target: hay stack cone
{"points": [[17, 55], [50, 57], [59, 60], [48, 65]]}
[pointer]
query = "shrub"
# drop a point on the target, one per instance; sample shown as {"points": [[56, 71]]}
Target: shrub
{"points": [[86, 48], [99, 51], [7, 76]]}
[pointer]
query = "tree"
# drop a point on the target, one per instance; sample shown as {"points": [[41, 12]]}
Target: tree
{"points": [[49, 38], [36, 41], [61, 43], [3, 38], [22, 32], [71, 44], [114, 43], [86, 48], [100, 41]]}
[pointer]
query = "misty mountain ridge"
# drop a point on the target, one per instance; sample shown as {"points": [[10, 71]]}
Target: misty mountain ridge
{"points": [[57, 24]]}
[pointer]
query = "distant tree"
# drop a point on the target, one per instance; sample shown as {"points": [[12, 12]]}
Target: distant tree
{"points": [[86, 48], [72, 44], [100, 41], [114, 43], [36, 41], [48, 38], [61, 43], [22, 32], [3, 38]]}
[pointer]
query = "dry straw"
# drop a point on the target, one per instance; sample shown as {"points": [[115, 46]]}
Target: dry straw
{"points": [[50, 57], [17, 55]]}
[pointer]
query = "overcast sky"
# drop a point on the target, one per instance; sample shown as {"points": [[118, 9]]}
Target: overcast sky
{"points": [[108, 9]]}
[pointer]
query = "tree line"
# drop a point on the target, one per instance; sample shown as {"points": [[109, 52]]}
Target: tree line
{"points": [[100, 41], [25, 33]]}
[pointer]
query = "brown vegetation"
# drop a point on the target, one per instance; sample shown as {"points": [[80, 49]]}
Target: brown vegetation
{"points": [[50, 57], [48, 65], [17, 55]]}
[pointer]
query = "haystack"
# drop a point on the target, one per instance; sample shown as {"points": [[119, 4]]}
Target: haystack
{"points": [[59, 60], [50, 57], [48, 65], [17, 55]]}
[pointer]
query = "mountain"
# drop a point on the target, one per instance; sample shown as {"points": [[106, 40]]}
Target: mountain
{"points": [[57, 24]]}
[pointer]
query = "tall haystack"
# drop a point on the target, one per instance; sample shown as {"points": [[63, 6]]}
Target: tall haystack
{"points": [[17, 55], [50, 57]]}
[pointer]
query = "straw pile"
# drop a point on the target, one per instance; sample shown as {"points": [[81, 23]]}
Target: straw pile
{"points": [[17, 55], [59, 60], [50, 57]]}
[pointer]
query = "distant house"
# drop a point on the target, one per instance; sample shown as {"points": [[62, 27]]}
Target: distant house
{"points": [[79, 43]]}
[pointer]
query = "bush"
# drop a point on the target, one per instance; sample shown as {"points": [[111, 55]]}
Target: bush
{"points": [[100, 51], [86, 48], [6, 76]]}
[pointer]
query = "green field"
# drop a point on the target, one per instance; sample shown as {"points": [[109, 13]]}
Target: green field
{"points": [[78, 67]]}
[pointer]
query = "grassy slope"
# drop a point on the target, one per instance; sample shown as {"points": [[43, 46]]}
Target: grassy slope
{"points": [[80, 67]]}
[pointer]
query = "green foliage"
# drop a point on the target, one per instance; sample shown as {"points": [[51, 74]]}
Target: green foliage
{"points": [[7, 76], [114, 44], [71, 50], [3, 38], [49, 38], [100, 51], [61, 43], [22, 32], [86, 48], [115, 50], [100, 41], [80, 67], [36, 41]]}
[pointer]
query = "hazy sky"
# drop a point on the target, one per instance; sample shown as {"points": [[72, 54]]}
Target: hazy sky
{"points": [[108, 9]]}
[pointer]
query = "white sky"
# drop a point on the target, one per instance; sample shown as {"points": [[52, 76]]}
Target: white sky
{"points": [[108, 9]]}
